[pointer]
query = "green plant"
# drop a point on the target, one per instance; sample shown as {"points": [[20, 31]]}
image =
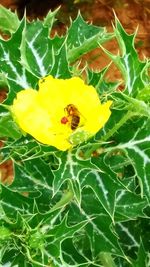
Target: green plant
{"points": [[88, 206]]}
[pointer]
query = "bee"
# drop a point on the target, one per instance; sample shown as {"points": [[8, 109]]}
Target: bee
{"points": [[73, 116]]}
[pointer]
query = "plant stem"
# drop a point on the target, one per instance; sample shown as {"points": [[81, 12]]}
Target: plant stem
{"points": [[123, 120], [106, 259]]}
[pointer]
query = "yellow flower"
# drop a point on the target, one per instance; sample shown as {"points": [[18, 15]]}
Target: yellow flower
{"points": [[62, 113]]}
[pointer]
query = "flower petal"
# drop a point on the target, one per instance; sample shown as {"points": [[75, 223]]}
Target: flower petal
{"points": [[45, 113]]}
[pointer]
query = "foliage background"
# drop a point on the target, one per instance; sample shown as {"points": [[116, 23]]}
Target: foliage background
{"points": [[89, 205]]}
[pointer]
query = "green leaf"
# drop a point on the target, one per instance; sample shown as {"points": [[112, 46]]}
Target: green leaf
{"points": [[44, 59], [131, 236], [141, 257], [83, 37], [31, 176], [69, 169], [138, 107], [99, 230], [17, 76], [35, 57], [12, 203], [60, 68], [8, 128], [62, 231], [72, 254], [129, 205], [135, 144], [50, 18], [132, 68], [9, 21], [104, 184]]}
